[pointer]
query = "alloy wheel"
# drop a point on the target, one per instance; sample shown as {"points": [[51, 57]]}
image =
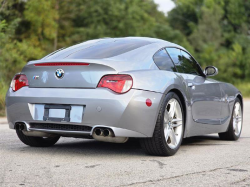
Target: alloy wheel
{"points": [[237, 119], [173, 123]]}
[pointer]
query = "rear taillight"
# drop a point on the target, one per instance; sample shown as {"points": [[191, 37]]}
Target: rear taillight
{"points": [[19, 81], [117, 83]]}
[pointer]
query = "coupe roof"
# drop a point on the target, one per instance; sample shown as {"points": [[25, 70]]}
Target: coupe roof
{"points": [[102, 48]]}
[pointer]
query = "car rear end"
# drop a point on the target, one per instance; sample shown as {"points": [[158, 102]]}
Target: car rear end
{"points": [[86, 98], [66, 95]]}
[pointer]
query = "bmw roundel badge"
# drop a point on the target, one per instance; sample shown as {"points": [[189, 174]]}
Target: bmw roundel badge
{"points": [[59, 73]]}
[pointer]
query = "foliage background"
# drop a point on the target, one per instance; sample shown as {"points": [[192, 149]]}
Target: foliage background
{"points": [[216, 32]]}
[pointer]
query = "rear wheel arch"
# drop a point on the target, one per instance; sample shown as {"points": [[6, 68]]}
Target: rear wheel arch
{"points": [[158, 144], [183, 102]]}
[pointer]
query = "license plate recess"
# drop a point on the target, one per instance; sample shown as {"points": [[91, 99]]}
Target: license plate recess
{"points": [[47, 117]]}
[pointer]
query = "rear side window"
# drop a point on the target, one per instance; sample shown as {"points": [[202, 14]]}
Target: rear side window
{"points": [[108, 49], [184, 62], [175, 54], [163, 61]]}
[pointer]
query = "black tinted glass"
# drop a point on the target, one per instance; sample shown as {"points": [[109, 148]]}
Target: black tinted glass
{"points": [[108, 49], [163, 61], [175, 54], [189, 65], [184, 62]]}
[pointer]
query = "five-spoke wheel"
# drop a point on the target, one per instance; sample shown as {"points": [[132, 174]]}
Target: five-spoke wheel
{"points": [[237, 116], [173, 126], [168, 133], [235, 125]]}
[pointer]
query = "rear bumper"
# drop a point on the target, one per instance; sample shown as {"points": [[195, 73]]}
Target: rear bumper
{"points": [[126, 114]]}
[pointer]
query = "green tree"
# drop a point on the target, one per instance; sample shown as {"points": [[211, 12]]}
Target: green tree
{"points": [[42, 17]]}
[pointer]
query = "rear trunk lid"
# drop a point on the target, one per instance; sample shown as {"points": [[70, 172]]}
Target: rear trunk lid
{"points": [[65, 74]]}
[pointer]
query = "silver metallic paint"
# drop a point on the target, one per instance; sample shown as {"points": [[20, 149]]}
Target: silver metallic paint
{"points": [[208, 103], [120, 111]]}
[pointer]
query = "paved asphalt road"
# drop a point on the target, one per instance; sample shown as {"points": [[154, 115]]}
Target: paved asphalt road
{"points": [[201, 161]]}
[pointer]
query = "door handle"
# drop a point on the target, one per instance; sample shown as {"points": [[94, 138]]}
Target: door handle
{"points": [[191, 85], [225, 99]]}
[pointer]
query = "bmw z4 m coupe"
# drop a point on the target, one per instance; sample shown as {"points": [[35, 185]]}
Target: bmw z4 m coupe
{"points": [[114, 89]]}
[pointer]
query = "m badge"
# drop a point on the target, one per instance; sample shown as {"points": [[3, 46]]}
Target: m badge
{"points": [[35, 77]]}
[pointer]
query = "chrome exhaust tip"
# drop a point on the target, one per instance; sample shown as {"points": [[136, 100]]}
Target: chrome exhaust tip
{"points": [[106, 132], [21, 127], [99, 132], [107, 135]]}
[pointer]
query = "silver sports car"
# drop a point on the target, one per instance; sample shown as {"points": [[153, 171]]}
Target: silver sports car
{"points": [[114, 89]]}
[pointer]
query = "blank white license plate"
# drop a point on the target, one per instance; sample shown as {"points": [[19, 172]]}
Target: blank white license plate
{"points": [[57, 113]]}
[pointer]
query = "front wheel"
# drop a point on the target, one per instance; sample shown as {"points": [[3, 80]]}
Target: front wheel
{"points": [[168, 133], [235, 125], [36, 141]]}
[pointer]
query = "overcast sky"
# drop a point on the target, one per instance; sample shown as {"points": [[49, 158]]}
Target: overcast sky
{"points": [[165, 5]]}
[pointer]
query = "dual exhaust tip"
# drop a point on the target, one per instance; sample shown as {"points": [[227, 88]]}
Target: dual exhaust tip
{"points": [[107, 135], [103, 132], [21, 126]]}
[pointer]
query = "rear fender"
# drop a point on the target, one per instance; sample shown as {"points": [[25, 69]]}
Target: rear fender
{"points": [[162, 82]]}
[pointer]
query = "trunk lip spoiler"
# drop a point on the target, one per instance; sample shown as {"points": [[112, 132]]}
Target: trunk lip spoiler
{"points": [[62, 64]]}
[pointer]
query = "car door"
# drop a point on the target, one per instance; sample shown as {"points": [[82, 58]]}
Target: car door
{"points": [[204, 94]]}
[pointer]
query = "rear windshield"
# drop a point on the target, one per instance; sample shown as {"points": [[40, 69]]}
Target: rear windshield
{"points": [[100, 50]]}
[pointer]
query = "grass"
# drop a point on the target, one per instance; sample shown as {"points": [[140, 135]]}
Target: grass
{"points": [[245, 89], [3, 90], [2, 113]]}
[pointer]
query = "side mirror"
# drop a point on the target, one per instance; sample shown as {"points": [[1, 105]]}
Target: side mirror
{"points": [[211, 71]]}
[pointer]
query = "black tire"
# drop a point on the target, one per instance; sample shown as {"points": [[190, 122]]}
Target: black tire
{"points": [[230, 134], [36, 141], [157, 145]]}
